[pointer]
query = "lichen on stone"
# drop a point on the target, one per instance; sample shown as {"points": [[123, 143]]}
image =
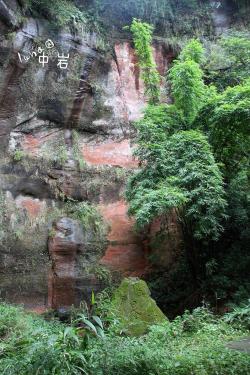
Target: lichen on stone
{"points": [[135, 310]]}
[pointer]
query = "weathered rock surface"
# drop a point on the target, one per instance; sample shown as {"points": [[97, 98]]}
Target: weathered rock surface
{"points": [[64, 244], [98, 95], [125, 252], [241, 345], [24, 261], [136, 310], [50, 120], [74, 255]]}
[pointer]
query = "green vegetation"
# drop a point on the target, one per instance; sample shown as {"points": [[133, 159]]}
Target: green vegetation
{"points": [[169, 17], [80, 18], [240, 315], [54, 152], [60, 154], [192, 344], [18, 155], [228, 60], [192, 155], [29, 345], [178, 170], [189, 96], [102, 273], [62, 12], [142, 36], [94, 227], [88, 215], [179, 183], [77, 150], [193, 158], [193, 51], [226, 118], [134, 308]]}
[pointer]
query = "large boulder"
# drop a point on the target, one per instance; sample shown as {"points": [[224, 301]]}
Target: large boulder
{"points": [[134, 308]]}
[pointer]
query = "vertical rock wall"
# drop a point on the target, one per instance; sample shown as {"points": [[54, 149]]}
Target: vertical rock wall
{"points": [[51, 121]]}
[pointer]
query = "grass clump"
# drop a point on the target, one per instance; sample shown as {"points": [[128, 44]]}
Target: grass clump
{"points": [[18, 155], [30, 345], [240, 315]]}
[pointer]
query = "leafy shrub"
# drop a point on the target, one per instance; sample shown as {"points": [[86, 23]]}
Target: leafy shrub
{"points": [[228, 61], [188, 88], [240, 315], [192, 344], [193, 51], [226, 119], [29, 345]]}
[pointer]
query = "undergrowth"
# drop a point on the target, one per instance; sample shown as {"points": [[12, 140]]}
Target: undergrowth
{"points": [[194, 343]]}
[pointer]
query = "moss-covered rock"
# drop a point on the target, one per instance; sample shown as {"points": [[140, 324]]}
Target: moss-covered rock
{"points": [[134, 307]]}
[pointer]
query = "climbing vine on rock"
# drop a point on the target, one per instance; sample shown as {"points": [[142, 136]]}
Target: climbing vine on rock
{"points": [[142, 37]]}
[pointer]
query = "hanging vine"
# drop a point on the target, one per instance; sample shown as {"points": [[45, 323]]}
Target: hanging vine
{"points": [[142, 36]]}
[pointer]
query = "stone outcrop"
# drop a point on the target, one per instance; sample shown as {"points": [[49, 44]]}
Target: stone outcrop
{"points": [[136, 310]]}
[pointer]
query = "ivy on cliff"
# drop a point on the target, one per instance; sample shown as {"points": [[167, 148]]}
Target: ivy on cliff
{"points": [[142, 36], [169, 17], [61, 12]]}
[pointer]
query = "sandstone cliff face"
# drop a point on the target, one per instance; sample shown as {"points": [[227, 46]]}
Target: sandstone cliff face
{"points": [[65, 134], [66, 137]]}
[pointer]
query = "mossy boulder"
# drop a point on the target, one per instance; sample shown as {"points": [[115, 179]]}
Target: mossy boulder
{"points": [[134, 308]]}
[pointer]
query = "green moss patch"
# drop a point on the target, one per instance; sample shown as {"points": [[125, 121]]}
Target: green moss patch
{"points": [[134, 307]]}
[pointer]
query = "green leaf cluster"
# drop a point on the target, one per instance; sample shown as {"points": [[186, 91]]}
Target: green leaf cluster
{"points": [[178, 169], [186, 78], [178, 173], [226, 120], [61, 12], [228, 60], [142, 37], [191, 153]]}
